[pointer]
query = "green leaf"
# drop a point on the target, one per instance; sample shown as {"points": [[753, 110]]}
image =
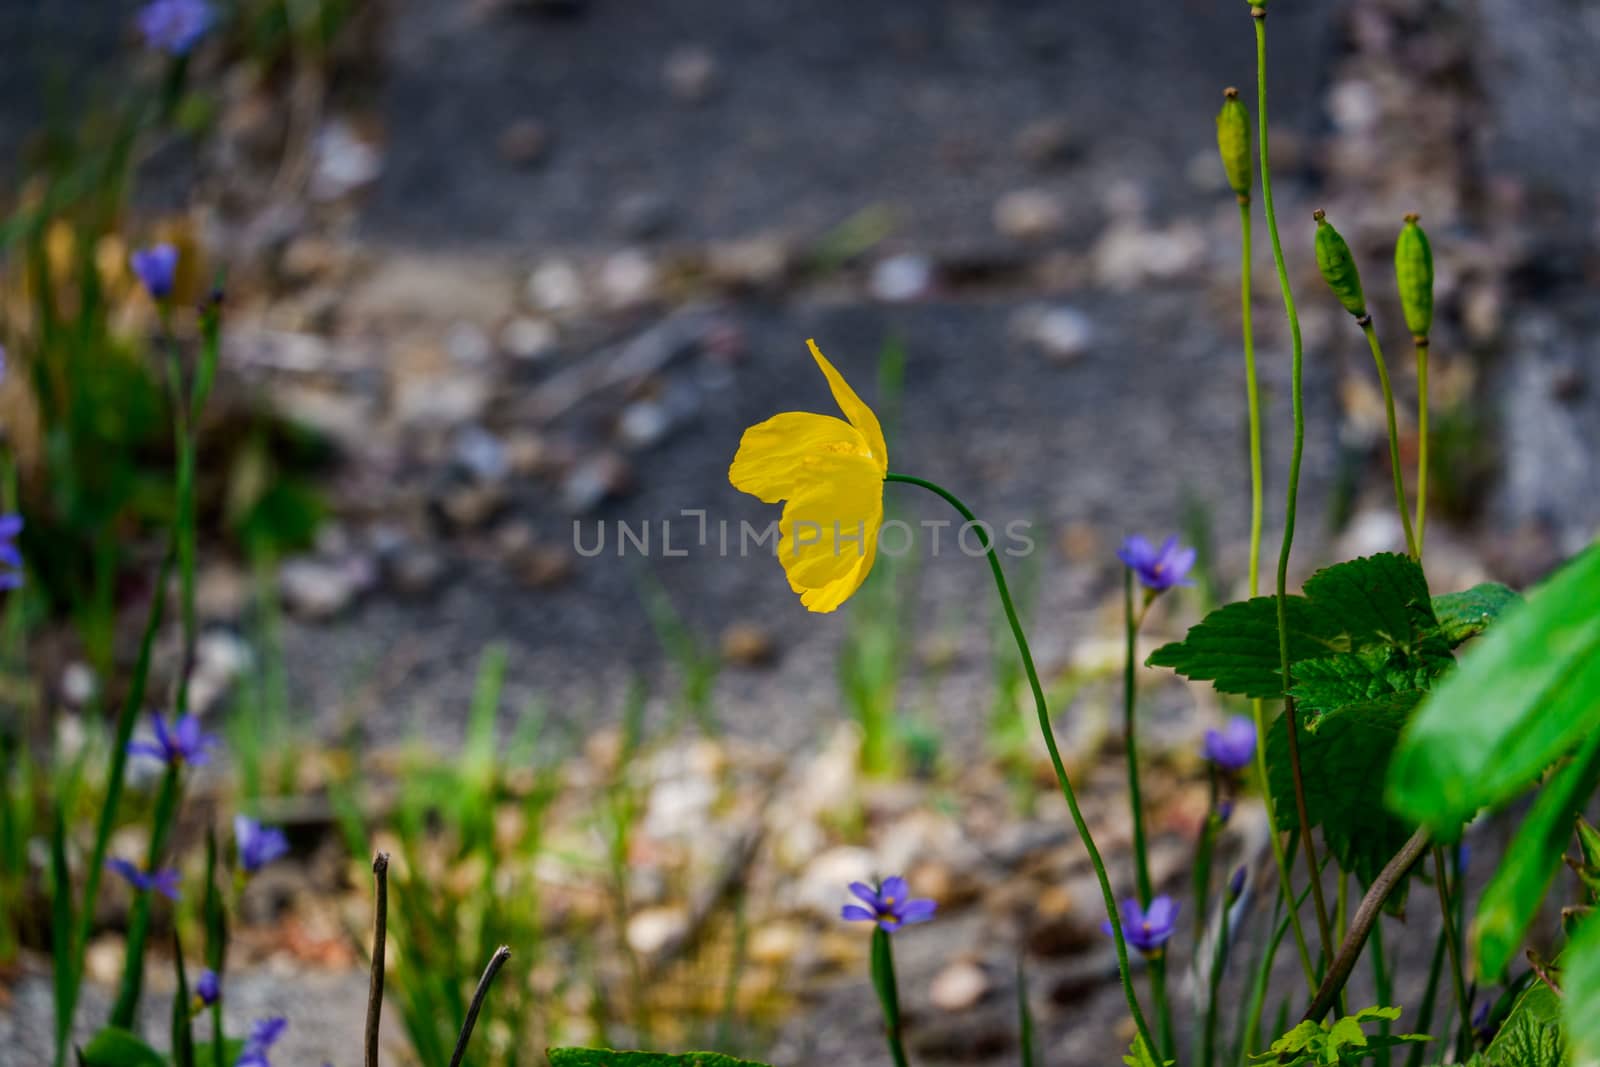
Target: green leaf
{"points": [[1371, 615], [116, 1047], [1525, 694], [1236, 646], [1531, 1035], [601, 1057], [1580, 984], [232, 1049], [1344, 1041], [1349, 751], [1141, 1055], [1513, 897], [1469, 613]]}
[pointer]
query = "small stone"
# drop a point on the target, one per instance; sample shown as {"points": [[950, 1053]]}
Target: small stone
{"points": [[1029, 215], [468, 345], [221, 592], [594, 481], [342, 162], [901, 278], [78, 684], [524, 142], [315, 589], [653, 929], [640, 216], [529, 339], [555, 287], [431, 400], [776, 943], [643, 423], [415, 570], [307, 258], [958, 987], [526, 453], [1063, 334], [470, 506], [745, 644], [628, 279], [750, 263], [221, 658], [542, 566], [480, 455], [690, 74], [1046, 142]]}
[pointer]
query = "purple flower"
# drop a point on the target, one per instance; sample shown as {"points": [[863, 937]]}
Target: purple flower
{"points": [[164, 882], [263, 1035], [891, 906], [1157, 569], [10, 556], [208, 990], [173, 26], [1233, 746], [184, 743], [1148, 930], [156, 266], [258, 845]]}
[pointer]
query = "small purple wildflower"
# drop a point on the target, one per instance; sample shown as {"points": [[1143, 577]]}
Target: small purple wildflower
{"points": [[164, 882], [208, 990], [183, 743], [263, 1035], [1147, 930], [1158, 569], [156, 267], [891, 906], [258, 845], [174, 26], [1233, 746], [1224, 811], [10, 555]]}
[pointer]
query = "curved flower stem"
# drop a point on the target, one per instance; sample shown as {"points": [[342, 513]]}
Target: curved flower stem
{"points": [[883, 980], [1258, 707], [1422, 440], [1109, 898], [1365, 323], [1259, 15]]}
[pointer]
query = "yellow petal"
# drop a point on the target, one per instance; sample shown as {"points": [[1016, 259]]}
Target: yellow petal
{"points": [[860, 416], [828, 537], [773, 454]]}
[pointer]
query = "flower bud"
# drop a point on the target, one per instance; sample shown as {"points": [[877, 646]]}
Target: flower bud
{"points": [[1233, 141], [1236, 885], [1338, 267], [1413, 270]]}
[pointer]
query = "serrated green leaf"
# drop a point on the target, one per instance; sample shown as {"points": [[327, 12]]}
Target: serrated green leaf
{"points": [[1524, 695], [1339, 763], [1343, 1041], [1375, 609], [116, 1047], [1531, 1035], [1236, 646], [1513, 897], [1580, 984], [600, 1057], [1141, 1055], [1470, 612]]}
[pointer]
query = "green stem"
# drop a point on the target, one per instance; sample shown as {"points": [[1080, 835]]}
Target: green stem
{"points": [[1113, 915], [1453, 944], [1422, 441], [1253, 400], [883, 981], [132, 987], [1383, 985], [1208, 1043], [1141, 854], [1430, 995], [1297, 392], [1158, 991], [1394, 435]]}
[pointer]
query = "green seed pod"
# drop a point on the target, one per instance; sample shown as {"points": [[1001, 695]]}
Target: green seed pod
{"points": [[1233, 141], [1338, 267], [1413, 270]]}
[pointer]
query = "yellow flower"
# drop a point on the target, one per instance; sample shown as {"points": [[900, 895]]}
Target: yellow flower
{"points": [[831, 474]]}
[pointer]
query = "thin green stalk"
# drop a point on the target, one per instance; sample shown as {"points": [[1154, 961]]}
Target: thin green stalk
{"points": [[883, 981], [132, 987], [1250, 1020], [1208, 1042], [1158, 992], [1383, 984], [1141, 852], [1042, 709], [1394, 435], [1457, 973], [1422, 441], [1297, 391], [1430, 996], [1253, 400], [1202, 865]]}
